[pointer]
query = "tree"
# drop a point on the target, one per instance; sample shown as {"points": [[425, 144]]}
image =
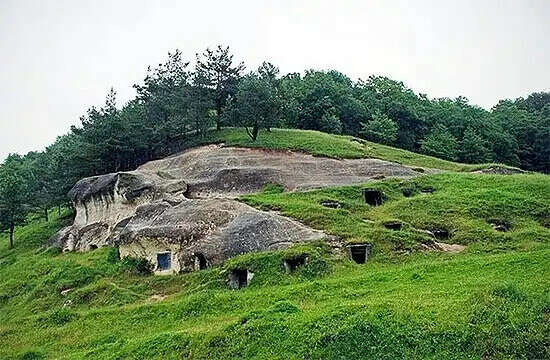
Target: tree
{"points": [[164, 96], [199, 105], [399, 103], [255, 104], [473, 148], [40, 182], [319, 101], [221, 76], [269, 73], [440, 143], [13, 194], [380, 129]]}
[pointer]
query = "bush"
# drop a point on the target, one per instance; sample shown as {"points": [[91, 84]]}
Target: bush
{"points": [[61, 316], [137, 266]]}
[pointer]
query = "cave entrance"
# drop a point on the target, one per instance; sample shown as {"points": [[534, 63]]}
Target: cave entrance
{"points": [[200, 262], [239, 278], [393, 225], [500, 225], [359, 253], [292, 264], [373, 197], [164, 261], [441, 234]]}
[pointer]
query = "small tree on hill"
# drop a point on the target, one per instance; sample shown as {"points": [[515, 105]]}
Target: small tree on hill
{"points": [[255, 105], [380, 129], [440, 143], [199, 104], [13, 194], [221, 76]]}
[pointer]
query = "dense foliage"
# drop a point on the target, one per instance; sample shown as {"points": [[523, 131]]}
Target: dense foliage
{"points": [[177, 104]]}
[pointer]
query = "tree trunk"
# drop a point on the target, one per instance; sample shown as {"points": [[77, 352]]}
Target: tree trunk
{"points": [[219, 117], [255, 131], [12, 228], [46, 215]]}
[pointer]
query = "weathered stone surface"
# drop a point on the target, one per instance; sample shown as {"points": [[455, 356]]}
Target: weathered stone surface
{"points": [[215, 170], [183, 206], [215, 228]]}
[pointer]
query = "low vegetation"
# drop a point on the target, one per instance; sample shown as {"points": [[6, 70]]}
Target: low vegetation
{"points": [[401, 304], [335, 146], [465, 208]]}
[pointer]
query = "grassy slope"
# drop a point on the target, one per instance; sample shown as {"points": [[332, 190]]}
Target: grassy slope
{"points": [[491, 301], [336, 146], [463, 204]]}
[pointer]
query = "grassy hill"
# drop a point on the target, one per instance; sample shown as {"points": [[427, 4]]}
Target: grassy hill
{"points": [[335, 146], [491, 301]]}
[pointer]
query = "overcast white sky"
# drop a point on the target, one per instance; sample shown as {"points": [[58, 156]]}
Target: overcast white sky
{"points": [[60, 57]]}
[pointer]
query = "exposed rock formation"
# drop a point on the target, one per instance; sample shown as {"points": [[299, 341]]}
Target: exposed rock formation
{"points": [[177, 212], [215, 170]]}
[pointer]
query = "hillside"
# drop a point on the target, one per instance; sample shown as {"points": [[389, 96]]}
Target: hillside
{"points": [[411, 299], [329, 145]]}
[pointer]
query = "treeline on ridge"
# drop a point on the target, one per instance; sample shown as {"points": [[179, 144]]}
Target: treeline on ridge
{"points": [[177, 103]]}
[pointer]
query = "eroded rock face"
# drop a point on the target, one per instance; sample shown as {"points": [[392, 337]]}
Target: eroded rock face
{"points": [[215, 170], [215, 229], [180, 214], [105, 204]]}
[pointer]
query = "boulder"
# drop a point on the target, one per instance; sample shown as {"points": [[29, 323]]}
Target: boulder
{"points": [[181, 214]]}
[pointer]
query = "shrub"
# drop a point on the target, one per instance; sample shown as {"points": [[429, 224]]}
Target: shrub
{"points": [[137, 266]]}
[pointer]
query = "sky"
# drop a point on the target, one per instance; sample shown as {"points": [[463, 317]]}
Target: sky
{"points": [[58, 58]]}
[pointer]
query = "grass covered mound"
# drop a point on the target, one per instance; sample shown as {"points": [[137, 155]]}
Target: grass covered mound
{"points": [[490, 301], [493, 211], [336, 146]]}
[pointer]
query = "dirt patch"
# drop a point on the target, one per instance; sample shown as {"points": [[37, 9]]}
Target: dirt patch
{"points": [[450, 248], [157, 297]]}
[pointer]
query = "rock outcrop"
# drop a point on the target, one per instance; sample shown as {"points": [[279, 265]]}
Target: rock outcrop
{"points": [[215, 170], [179, 212]]}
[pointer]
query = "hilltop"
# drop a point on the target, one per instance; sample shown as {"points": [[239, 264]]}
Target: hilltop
{"points": [[410, 299]]}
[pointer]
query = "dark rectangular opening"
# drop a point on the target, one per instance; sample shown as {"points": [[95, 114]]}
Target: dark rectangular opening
{"points": [[238, 278], [291, 265], [373, 197], [358, 253], [393, 225], [164, 261], [200, 262]]}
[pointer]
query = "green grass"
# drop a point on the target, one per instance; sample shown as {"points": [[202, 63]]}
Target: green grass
{"points": [[490, 302], [321, 144], [465, 205]]}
